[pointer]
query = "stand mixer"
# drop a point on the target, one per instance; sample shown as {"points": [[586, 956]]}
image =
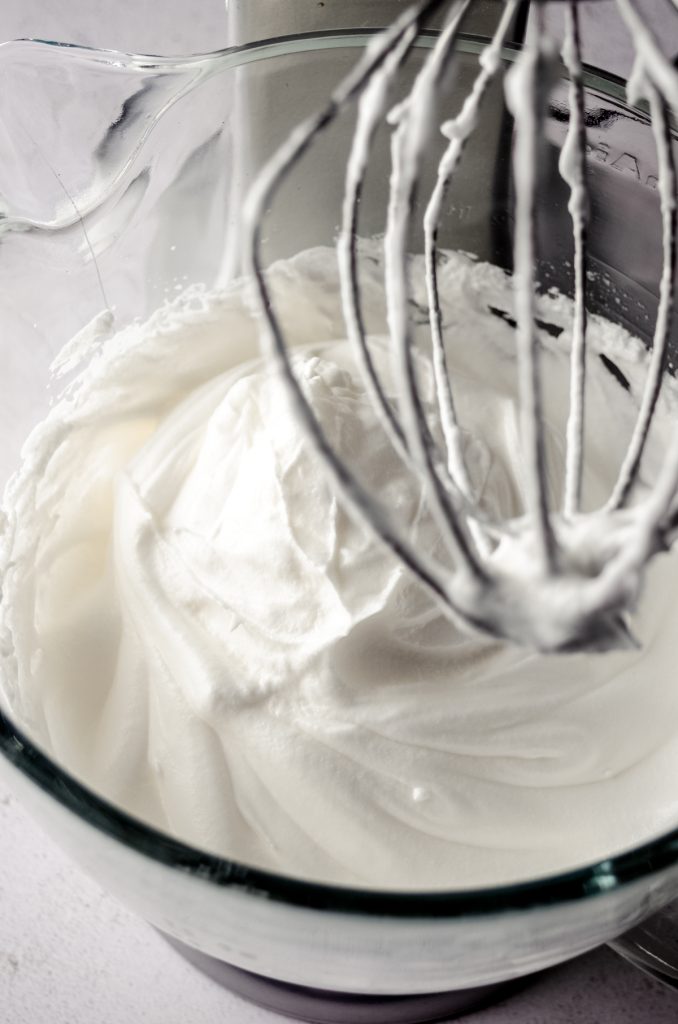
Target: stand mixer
{"points": [[620, 156]]}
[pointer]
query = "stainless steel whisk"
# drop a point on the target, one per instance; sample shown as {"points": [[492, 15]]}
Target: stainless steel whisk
{"points": [[552, 579]]}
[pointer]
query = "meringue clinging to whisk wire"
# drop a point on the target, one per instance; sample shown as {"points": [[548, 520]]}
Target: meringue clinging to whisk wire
{"points": [[554, 578]]}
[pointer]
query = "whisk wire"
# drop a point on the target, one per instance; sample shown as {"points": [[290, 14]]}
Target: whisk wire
{"points": [[370, 111], [371, 107], [261, 194], [408, 146], [526, 96], [458, 131], [573, 170], [522, 579]]}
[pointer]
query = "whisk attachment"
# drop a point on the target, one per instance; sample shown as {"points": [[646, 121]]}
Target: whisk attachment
{"points": [[552, 579]]}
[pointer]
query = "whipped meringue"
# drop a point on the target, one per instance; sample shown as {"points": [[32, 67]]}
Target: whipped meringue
{"points": [[194, 626]]}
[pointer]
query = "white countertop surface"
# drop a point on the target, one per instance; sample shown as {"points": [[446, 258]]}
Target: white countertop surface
{"points": [[69, 953]]}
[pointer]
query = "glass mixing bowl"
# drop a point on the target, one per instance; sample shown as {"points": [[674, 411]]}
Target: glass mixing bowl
{"points": [[121, 181]]}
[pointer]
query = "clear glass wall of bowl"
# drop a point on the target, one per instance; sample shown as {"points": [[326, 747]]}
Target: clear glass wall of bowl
{"points": [[121, 182]]}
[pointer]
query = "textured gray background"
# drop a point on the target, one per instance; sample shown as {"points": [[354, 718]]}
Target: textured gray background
{"points": [[69, 953]]}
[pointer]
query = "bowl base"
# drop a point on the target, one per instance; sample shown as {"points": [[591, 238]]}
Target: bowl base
{"points": [[320, 1006]]}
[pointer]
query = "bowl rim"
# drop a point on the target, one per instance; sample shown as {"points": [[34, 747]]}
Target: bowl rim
{"points": [[280, 46], [594, 879]]}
